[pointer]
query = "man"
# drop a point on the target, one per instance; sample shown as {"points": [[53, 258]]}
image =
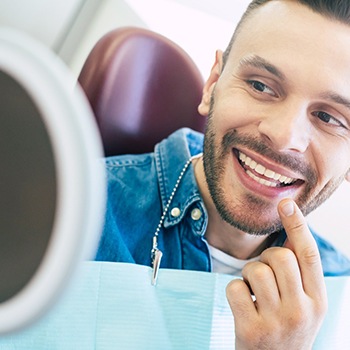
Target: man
{"points": [[277, 139]]}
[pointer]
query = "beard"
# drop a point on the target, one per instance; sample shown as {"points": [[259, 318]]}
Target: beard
{"points": [[247, 213]]}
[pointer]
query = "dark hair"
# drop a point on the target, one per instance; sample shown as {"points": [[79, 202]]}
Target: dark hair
{"points": [[334, 9]]}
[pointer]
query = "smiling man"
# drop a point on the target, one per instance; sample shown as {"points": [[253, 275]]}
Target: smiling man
{"points": [[277, 139]]}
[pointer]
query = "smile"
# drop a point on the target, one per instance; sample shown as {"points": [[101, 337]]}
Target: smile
{"points": [[263, 175]]}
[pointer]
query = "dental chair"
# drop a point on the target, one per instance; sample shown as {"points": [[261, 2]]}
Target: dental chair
{"points": [[141, 87]]}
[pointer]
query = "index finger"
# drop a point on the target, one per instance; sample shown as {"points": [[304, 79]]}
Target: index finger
{"points": [[302, 243]]}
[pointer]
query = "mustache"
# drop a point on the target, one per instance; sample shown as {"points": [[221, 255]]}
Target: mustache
{"points": [[293, 162]]}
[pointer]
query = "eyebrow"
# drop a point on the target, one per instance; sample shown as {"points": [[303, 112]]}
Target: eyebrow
{"points": [[336, 98], [261, 63]]}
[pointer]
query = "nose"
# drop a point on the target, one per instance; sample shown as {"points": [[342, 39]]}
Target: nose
{"points": [[287, 127]]}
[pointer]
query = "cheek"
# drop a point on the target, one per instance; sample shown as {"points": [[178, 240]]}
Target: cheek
{"points": [[234, 111], [332, 161]]}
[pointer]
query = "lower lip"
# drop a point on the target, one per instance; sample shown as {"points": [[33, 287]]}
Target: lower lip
{"points": [[257, 188]]}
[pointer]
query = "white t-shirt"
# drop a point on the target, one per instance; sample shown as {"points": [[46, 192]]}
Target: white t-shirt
{"points": [[227, 264]]}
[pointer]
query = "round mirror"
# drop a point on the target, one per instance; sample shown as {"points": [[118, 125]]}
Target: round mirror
{"points": [[52, 183]]}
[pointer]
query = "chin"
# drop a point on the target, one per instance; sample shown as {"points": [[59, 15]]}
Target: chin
{"points": [[245, 219]]}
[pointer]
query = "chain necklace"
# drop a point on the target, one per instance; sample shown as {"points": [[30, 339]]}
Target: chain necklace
{"points": [[156, 253]]}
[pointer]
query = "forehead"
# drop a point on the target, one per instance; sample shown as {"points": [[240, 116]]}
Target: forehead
{"points": [[293, 33]]}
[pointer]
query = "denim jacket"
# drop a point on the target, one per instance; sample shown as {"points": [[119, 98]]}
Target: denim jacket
{"points": [[139, 188]]}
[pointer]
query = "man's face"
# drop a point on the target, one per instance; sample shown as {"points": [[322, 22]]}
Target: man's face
{"points": [[279, 116]]}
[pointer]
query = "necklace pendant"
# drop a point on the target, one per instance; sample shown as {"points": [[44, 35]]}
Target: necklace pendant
{"points": [[157, 257]]}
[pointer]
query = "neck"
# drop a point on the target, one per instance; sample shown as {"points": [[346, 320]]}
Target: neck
{"points": [[219, 233]]}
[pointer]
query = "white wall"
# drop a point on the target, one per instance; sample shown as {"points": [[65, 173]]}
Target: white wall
{"points": [[47, 21], [200, 27], [332, 219]]}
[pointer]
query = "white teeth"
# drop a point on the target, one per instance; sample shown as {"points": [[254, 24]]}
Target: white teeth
{"points": [[282, 178], [261, 181], [260, 169], [242, 156], [269, 173], [276, 176]]}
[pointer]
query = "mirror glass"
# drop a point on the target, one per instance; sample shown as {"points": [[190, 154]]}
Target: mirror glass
{"points": [[27, 186]]}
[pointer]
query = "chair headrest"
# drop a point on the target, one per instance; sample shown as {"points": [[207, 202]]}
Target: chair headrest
{"points": [[141, 86]]}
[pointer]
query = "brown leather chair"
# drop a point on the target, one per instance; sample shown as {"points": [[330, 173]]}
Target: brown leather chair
{"points": [[141, 86]]}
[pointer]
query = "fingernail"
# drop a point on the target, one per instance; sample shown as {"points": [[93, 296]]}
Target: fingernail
{"points": [[288, 208]]}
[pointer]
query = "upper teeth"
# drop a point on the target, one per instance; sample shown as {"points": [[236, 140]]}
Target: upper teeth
{"points": [[260, 169]]}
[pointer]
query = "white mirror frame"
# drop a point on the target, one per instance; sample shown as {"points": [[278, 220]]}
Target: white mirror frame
{"points": [[81, 187]]}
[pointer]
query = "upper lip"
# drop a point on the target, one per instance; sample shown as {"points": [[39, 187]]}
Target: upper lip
{"points": [[268, 164]]}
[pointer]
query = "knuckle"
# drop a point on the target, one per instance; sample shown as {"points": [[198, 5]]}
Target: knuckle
{"points": [[307, 315], [260, 272], [310, 256], [282, 256], [295, 226], [298, 226], [234, 287], [234, 290], [298, 319]]}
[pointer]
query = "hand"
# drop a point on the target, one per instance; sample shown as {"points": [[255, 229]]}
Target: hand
{"points": [[289, 288]]}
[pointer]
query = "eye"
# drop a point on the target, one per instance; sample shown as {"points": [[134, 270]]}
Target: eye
{"points": [[261, 87], [327, 118]]}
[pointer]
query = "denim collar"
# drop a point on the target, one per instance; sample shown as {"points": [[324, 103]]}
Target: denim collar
{"points": [[171, 155]]}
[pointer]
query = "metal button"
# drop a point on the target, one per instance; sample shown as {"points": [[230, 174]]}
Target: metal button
{"points": [[196, 214], [175, 212]]}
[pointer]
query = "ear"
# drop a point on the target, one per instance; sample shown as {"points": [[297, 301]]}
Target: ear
{"points": [[208, 88]]}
